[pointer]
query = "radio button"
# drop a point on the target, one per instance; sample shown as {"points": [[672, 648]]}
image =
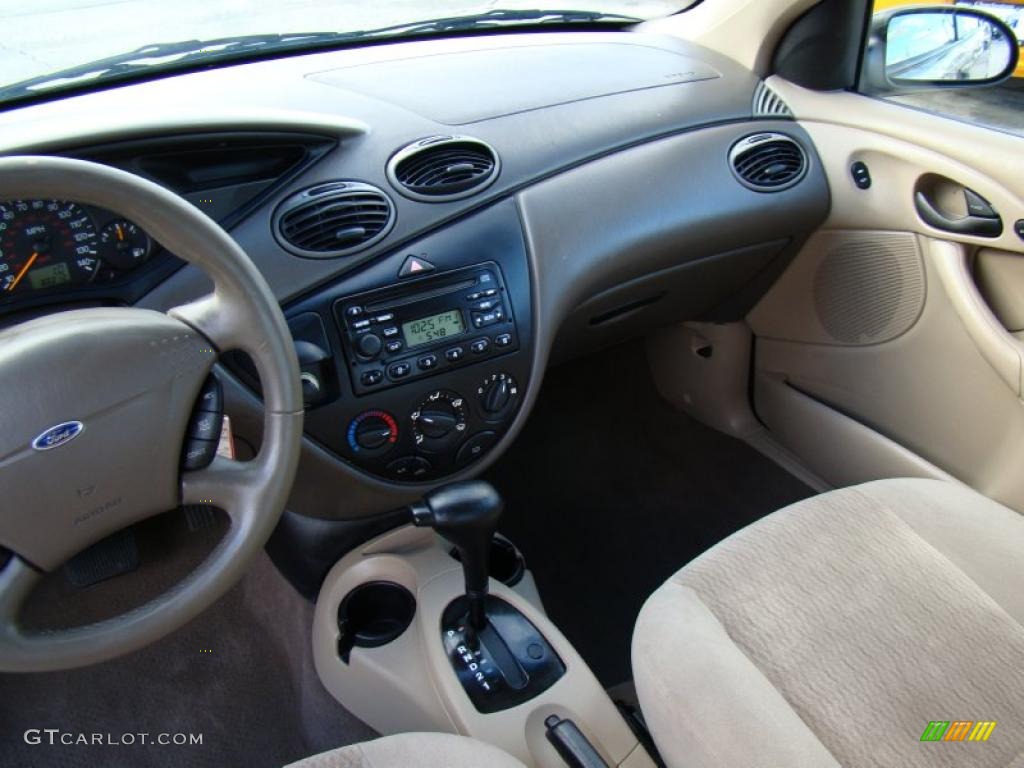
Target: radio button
{"points": [[369, 345], [486, 305], [473, 296], [399, 370], [393, 346], [454, 354], [503, 340], [354, 311], [427, 362], [385, 318], [483, 319], [479, 346], [390, 333], [490, 292], [370, 378], [359, 325]]}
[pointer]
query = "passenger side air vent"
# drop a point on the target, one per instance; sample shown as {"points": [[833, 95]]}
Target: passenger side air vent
{"points": [[768, 162], [767, 103], [443, 168], [333, 219]]}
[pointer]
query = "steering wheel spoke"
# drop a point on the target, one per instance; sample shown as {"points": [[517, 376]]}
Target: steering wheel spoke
{"points": [[222, 325]]}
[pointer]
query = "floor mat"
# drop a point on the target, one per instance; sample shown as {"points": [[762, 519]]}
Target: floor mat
{"points": [[240, 676], [610, 490]]}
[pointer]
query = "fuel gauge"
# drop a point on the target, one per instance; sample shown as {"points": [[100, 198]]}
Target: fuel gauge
{"points": [[123, 245]]}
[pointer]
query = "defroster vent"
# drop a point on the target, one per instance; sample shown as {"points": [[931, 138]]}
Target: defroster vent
{"points": [[768, 162], [442, 168], [334, 219]]}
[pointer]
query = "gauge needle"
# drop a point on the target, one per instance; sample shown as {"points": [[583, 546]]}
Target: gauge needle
{"points": [[120, 232], [21, 274]]}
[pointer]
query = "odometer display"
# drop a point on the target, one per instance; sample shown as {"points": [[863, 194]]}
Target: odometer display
{"points": [[45, 244], [433, 328], [49, 277]]}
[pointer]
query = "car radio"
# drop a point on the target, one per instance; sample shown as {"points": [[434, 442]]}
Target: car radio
{"points": [[432, 324]]}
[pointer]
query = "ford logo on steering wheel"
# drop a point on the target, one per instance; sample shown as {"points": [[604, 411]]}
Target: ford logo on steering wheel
{"points": [[58, 435]]}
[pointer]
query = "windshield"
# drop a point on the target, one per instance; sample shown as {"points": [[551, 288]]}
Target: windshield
{"points": [[48, 46]]}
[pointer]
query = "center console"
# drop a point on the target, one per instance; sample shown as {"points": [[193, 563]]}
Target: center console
{"points": [[415, 367], [411, 634]]}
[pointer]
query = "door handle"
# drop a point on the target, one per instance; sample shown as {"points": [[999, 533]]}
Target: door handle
{"points": [[977, 226]]}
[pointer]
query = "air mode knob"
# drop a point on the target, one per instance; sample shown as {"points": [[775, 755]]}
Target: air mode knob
{"points": [[439, 420]]}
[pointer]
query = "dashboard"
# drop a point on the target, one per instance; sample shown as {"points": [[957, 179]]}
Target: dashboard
{"points": [[441, 220]]}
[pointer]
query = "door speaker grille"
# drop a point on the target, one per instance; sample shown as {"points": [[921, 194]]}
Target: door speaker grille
{"points": [[869, 288]]}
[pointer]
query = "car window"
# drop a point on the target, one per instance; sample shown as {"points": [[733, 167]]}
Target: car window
{"points": [[999, 106]]}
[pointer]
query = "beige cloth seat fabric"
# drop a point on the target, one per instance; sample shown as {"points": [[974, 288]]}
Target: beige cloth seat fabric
{"points": [[833, 631], [409, 750]]}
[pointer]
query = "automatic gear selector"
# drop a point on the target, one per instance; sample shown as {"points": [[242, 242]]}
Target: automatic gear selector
{"points": [[499, 656]]}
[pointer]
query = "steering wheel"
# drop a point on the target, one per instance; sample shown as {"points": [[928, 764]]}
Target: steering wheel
{"points": [[131, 378]]}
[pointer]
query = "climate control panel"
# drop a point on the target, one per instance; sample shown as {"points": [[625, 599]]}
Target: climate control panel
{"points": [[443, 433]]}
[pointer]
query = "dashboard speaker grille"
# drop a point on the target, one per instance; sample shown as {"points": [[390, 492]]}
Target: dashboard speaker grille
{"points": [[443, 168], [768, 162], [334, 219]]}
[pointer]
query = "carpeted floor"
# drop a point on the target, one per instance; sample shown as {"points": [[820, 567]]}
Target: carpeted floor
{"points": [[241, 675], [610, 490]]}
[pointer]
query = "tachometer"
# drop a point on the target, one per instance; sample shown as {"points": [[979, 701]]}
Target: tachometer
{"points": [[45, 244]]}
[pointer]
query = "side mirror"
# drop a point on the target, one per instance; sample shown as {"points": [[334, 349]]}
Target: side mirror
{"points": [[920, 48]]}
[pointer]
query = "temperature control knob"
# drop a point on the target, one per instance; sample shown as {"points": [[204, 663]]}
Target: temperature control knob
{"points": [[497, 393], [372, 433], [439, 420]]}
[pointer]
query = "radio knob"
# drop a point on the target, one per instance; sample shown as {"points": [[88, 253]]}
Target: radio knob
{"points": [[369, 345]]}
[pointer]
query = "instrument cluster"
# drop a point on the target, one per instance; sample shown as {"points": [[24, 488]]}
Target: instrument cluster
{"points": [[53, 245]]}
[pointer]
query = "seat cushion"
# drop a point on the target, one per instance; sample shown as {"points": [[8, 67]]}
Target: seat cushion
{"points": [[423, 750], [833, 631]]}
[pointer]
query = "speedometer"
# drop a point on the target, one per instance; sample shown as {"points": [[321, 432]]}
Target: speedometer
{"points": [[45, 244]]}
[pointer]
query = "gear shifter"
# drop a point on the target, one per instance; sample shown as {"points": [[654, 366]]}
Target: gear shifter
{"points": [[500, 658], [466, 514]]}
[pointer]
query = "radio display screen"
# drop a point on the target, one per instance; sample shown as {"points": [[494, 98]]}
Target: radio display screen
{"points": [[433, 328]]}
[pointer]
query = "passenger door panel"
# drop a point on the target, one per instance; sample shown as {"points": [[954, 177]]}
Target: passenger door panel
{"points": [[890, 321]]}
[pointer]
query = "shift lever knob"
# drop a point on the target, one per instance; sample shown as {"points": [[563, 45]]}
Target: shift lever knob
{"points": [[466, 514]]}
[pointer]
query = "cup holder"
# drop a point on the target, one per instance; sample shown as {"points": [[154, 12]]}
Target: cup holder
{"points": [[507, 563], [372, 615]]}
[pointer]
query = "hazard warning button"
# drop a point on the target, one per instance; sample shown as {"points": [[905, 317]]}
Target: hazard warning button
{"points": [[414, 265]]}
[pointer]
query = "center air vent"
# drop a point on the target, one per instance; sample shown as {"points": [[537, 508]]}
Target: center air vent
{"points": [[333, 219], [768, 162], [443, 168]]}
